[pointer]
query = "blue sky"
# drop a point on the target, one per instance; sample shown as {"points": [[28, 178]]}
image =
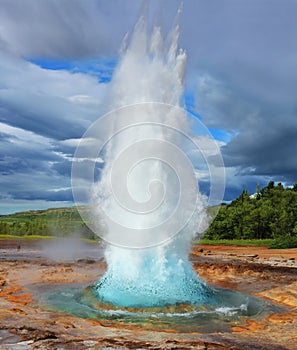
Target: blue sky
{"points": [[57, 60], [100, 68]]}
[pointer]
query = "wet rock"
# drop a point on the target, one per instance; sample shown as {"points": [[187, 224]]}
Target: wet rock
{"points": [[86, 261], [248, 256], [286, 295], [25, 326], [281, 318], [24, 345]]}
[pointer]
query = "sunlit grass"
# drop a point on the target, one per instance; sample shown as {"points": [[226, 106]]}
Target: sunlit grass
{"points": [[237, 242], [38, 237], [31, 237], [270, 243]]}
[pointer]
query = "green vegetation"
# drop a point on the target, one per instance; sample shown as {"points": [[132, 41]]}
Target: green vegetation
{"points": [[59, 222], [284, 242], [31, 237], [237, 242], [270, 214], [269, 218]]}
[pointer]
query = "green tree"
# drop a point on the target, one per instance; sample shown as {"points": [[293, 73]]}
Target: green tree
{"points": [[272, 213]]}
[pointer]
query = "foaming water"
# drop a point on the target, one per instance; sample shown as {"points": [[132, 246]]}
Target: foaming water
{"points": [[154, 278], [158, 273], [230, 308], [146, 204], [145, 200]]}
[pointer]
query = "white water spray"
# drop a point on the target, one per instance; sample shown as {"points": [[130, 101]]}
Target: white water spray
{"points": [[147, 196]]}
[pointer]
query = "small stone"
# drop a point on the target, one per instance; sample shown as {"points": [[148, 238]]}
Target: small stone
{"points": [[90, 343], [2, 283], [87, 261]]}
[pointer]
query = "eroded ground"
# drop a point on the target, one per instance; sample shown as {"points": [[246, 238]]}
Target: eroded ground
{"points": [[24, 271]]}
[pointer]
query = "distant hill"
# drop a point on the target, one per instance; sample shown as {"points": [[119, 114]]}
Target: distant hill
{"points": [[48, 222], [33, 213], [269, 214]]}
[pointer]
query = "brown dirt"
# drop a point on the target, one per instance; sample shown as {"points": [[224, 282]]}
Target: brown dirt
{"points": [[24, 325], [262, 252]]}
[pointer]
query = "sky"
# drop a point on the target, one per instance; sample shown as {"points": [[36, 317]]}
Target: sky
{"points": [[57, 58]]}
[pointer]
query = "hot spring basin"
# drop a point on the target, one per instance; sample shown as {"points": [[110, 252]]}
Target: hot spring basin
{"points": [[223, 309]]}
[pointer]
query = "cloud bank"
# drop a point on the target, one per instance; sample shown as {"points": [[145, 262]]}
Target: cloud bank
{"points": [[57, 57]]}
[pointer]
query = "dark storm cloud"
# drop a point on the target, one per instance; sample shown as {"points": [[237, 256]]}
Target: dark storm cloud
{"points": [[27, 167], [45, 119], [242, 63], [264, 134], [17, 156], [37, 185], [5, 137], [65, 28], [237, 182], [50, 196], [54, 104], [63, 167], [268, 146], [238, 38], [245, 56], [59, 105]]}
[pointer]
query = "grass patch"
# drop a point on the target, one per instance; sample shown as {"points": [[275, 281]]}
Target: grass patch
{"points": [[237, 242], [278, 243], [31, 237], [38, 238], [89, 240]]}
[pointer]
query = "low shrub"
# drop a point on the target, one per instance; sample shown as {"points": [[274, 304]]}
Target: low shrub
{"points": [[284, 242]]}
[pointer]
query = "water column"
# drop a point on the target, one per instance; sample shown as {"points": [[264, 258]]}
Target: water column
{"points": [[146, 203]]}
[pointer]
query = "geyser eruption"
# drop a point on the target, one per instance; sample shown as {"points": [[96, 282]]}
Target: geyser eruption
{"points": [[137, 168], [145, 199]]}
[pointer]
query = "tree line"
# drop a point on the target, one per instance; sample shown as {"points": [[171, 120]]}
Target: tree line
{"points": [[55, 223], [270, 213]]}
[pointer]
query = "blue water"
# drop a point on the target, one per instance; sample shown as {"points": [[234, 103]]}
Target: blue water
{"points": [[220, 310], [170, 281]]}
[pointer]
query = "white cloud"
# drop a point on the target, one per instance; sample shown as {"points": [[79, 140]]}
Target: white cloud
{"points": [[20, 135], [84, 100], [46, 101], [242, 63]]}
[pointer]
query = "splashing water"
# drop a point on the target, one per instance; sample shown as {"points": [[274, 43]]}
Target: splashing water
{"points": [[147, 196], [138, 168]]}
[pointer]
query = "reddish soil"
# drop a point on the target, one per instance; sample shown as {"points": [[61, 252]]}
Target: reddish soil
{"points": [[268, 274], [262, 252]]}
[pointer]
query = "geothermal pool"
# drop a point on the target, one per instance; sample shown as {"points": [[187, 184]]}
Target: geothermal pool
{"points": [[222, 311], [143, 188], [51, 303]]}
